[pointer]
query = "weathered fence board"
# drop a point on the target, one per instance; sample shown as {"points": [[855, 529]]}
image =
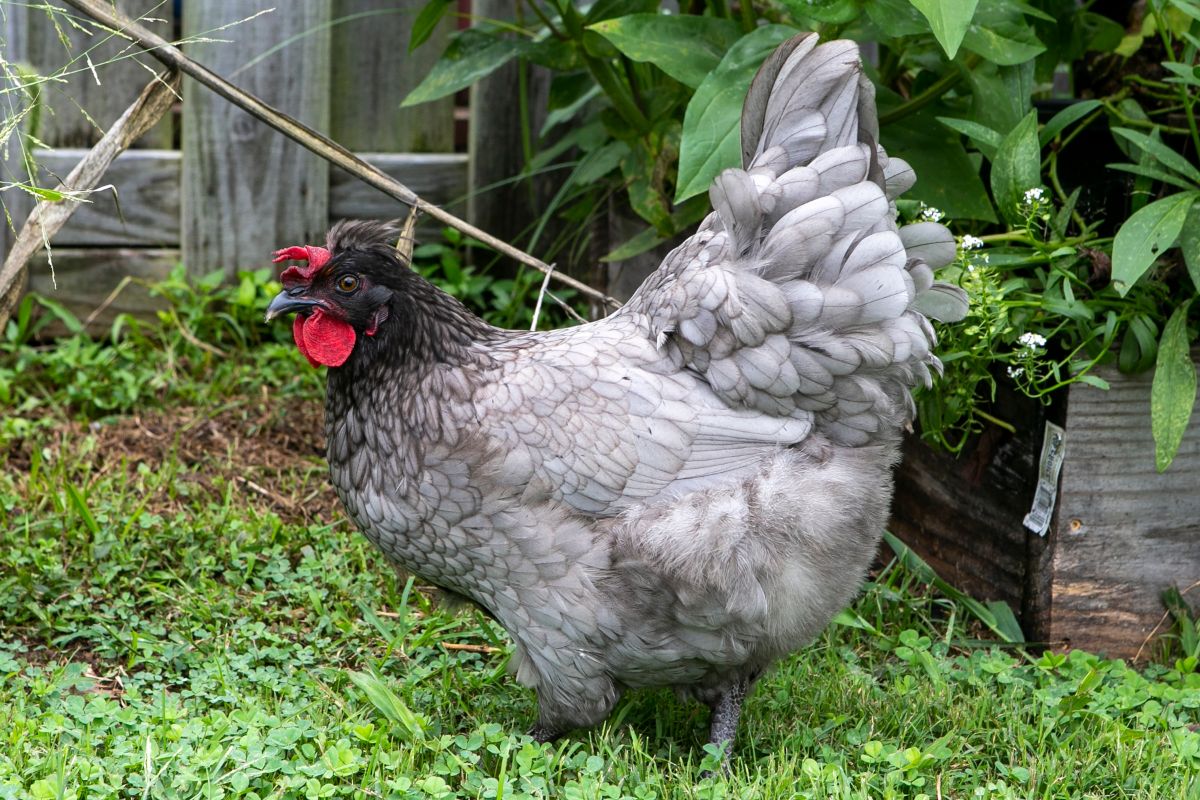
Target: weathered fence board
{"points": [[438, 177], [243, 183], [1123, 531], [372, 71], [141, 209], [147, 195], [104, 73], [83, 279]]}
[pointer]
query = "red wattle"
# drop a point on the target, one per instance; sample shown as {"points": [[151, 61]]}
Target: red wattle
{"points": [[298, 335], [323, 339]]}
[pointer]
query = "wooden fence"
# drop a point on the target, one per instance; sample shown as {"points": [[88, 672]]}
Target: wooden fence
{"points": [[210, 186]]}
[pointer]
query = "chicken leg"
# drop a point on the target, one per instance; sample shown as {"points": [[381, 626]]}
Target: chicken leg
{"points": [[726, 712]]}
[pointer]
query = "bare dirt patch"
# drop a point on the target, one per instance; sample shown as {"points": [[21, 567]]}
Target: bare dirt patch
{"points": [[273, 452]]}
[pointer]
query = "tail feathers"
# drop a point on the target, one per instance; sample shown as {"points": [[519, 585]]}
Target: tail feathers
{"points": [[798, 295]]}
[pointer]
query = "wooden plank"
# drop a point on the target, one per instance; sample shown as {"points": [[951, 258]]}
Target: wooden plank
{"points": [[372, 71], [142, 210], [147, 185], [508, 211], [1124, 532], [964, 514], [247, 188], [101, 89], [83, 279], [439, 178]]}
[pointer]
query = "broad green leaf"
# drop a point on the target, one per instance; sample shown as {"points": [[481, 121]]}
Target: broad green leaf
{"points": [[1031, 10], [946, 177], [553, 54], [896, 18], [1165, 155], [1000, 96], [948, 19], [686, 47], [1189, 243], [1173, 393], [712, 123], [830, 12], [1145, 235], [426, 22], [1017, 167], [983, 137], [472, 54], [1006, 44], [607, 9], [1060, 121], [1101, 33]]}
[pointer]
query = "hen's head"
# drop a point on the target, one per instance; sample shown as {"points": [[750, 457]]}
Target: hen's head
{"points": [[344, 291]]}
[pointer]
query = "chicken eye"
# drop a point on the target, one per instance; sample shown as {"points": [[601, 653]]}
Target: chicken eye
{"points": [[347, 283]]}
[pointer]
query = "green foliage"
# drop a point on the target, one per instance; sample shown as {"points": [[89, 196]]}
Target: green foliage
{"points": [[180, 638], [655, 99], [712, 133], [504, 302], [948, 20], [141, 363], [1174, 389], [656, 96]]}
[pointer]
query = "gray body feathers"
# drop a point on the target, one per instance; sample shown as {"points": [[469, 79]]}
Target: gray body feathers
{"points": [[686, 491]]}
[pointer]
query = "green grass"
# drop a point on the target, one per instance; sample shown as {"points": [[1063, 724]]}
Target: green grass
{"points": [[185, 613]]}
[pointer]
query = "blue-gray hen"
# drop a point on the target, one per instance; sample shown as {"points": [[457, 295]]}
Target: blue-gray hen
{"points": [[688, 490]]}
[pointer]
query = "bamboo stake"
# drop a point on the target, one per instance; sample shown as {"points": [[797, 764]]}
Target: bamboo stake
{"points": [[323, 146], [47, 218]]}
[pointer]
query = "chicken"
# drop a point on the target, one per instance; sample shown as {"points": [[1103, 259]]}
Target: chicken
{"points": [[688, 490]]}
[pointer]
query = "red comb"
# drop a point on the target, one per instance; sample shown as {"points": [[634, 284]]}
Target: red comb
{"points": [[316, 257]]}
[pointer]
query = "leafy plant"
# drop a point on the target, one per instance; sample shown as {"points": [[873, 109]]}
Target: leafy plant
{"points": [[653, 100], [655, 97]]}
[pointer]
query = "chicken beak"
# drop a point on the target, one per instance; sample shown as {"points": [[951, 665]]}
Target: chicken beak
{"points": [[286, 301]]}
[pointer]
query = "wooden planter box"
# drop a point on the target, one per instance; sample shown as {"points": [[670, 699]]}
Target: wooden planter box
{"points": [[1121, 533]]}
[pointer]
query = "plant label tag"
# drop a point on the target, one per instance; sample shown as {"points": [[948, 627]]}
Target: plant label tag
{"points": [[1054, 446]]}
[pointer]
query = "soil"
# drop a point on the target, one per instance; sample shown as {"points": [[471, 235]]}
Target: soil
{"points": [[273, 452]]}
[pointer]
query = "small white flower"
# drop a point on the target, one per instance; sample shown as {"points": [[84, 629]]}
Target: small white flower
{"points": [[970, 242], [1033, 341], [1035, 195], [1016, 372], [931, 214]]}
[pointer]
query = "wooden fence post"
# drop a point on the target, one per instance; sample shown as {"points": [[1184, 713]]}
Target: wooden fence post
{"points": [[495, 140], [373, 71], [246, 189]]}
